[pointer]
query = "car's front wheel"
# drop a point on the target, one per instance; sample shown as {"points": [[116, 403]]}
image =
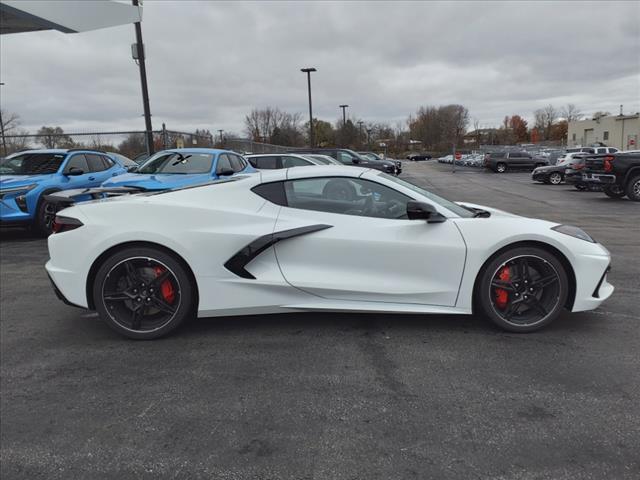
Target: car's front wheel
{"points": [[45, 215], [501, 167], [523, 289], [555, 178], [143, 292]]}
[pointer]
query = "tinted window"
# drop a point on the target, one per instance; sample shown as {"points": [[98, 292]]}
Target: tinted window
{"points": [[346, 196], [178, 163], [108, 163], [345, 158], [498, 154], [274, 192], [77, 161], [95, 162], [294, 162], [32, 164], [224, 163], [265, 163], [601, 150], [237, 163]]}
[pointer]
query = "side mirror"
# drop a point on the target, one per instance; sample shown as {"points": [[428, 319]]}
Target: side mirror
{"points": [[74, 172], [133, 168], [424, 211], [225, 173], [355, 161]]}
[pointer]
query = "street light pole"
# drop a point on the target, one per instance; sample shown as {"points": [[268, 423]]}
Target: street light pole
{"points": [[143, 81], [368, 136], [360, 122], [308, 72], [220, 132], [344, 114]]}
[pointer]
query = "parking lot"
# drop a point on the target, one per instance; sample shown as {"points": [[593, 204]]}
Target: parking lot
{"points": [[331, 395]]}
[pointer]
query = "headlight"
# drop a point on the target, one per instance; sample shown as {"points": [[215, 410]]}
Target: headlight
{"points": [[22, 189], [574, 232]]}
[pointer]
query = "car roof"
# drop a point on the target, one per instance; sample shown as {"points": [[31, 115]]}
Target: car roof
{"points": [[197, 150], [315, 172]]}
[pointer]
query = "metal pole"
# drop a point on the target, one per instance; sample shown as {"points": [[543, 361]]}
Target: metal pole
{"points": [[454, 158], [360, 122], [220, 132], [143, 81], [4, 143], [308, 72], [344, 114]]}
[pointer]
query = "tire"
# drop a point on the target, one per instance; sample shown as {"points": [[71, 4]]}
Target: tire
{"points": [[142, 305], [555, 178], [501, 167], [45, 214], [633, 188], [533, 300], [614, 191], [338, 189]]}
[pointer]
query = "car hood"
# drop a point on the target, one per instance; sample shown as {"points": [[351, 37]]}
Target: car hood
{"points": [[158, 181], [10, 181], [549, 168], [494, 211]]}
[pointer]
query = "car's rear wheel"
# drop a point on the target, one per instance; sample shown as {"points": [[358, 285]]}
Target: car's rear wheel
{"points": [[45, 214], [523, 289], [614, 191], [555, 178], [633, 188], [501, 167], [143, 292]]}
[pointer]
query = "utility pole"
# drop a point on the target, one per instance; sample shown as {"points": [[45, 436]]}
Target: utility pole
{"points": [[360, 122], [344, 114], [143, 81], [308, 72], [369, 136], [220, 132]]}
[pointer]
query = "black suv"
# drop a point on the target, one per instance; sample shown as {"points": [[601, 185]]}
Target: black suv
{"points": [[502, 161], [349, 157], [618, 174]]}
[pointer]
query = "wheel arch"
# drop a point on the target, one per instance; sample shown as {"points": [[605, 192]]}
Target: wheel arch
{"points": [[630, 173], [571, 276], [110, 251]]}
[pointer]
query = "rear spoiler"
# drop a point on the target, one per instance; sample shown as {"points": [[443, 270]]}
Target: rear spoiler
{"points": [[66, 198]]}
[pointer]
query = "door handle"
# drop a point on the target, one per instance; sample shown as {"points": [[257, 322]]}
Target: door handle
{"points": [[92, 178]]}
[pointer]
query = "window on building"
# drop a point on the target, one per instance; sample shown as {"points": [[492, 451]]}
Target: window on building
{"points": [[573, 137], [605, 136]]}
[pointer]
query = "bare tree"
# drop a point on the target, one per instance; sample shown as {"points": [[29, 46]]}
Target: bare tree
{"points": [[571, 113]]}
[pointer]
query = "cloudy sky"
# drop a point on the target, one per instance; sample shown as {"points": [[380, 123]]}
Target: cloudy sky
{"points": [[210, 63]]}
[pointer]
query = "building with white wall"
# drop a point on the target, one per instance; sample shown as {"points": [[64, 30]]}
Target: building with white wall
{"points": [[620, 131]]}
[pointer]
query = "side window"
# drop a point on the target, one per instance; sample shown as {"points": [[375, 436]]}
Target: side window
{"points": [[266, 163], [601, 150], [77, 161], [237, 163], [95, 162], [108, 163], [224, 164], [345, 158], [294, 162], [346, 196]]}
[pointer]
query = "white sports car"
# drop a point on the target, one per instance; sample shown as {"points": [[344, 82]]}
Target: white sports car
{"points": [[309, 239]]}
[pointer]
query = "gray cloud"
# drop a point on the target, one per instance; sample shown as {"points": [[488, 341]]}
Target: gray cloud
{"points": [[210, 63]]}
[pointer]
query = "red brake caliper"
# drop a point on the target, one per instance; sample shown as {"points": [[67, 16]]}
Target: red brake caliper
{"points": [[168, 293], [502, 296]]}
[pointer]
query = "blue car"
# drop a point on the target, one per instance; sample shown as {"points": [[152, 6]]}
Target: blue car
{"points": [[182, 167], [27, 176]]}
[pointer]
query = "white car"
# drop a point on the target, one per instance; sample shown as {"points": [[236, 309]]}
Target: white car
{"points": [[317, 239], [272, 161]]}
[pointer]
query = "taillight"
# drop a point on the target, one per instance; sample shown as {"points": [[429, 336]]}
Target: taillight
{"points": [[64, 224], [579, 166], [608, 163]]}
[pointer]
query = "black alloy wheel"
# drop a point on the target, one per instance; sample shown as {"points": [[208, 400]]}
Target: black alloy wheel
{"points": [[45, 216], [523, 290], [633, 188], [143, 293]]}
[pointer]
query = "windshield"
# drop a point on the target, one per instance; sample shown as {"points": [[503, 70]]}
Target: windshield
{"points": [[178, 163], [32, 164], [320, 159], [443, 202], [124, 161]]}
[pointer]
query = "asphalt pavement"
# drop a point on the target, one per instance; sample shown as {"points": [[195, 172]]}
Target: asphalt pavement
{"points": [[331, 395]]}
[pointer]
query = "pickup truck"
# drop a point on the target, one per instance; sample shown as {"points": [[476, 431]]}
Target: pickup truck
{"points": [[618, 173], [500, 162]]}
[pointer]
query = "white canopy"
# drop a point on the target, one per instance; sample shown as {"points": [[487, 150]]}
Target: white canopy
{"points": [[64, 15]]}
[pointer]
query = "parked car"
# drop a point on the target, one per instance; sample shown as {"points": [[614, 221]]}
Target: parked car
{"points": [[500, 162], [272, 161], [141, 158], [281, 242], [123, 161], [416, 157], [351, 158], [555, 174], [181, 167], [325, 159], [27, 176], [618, 174], [375, 156]]}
